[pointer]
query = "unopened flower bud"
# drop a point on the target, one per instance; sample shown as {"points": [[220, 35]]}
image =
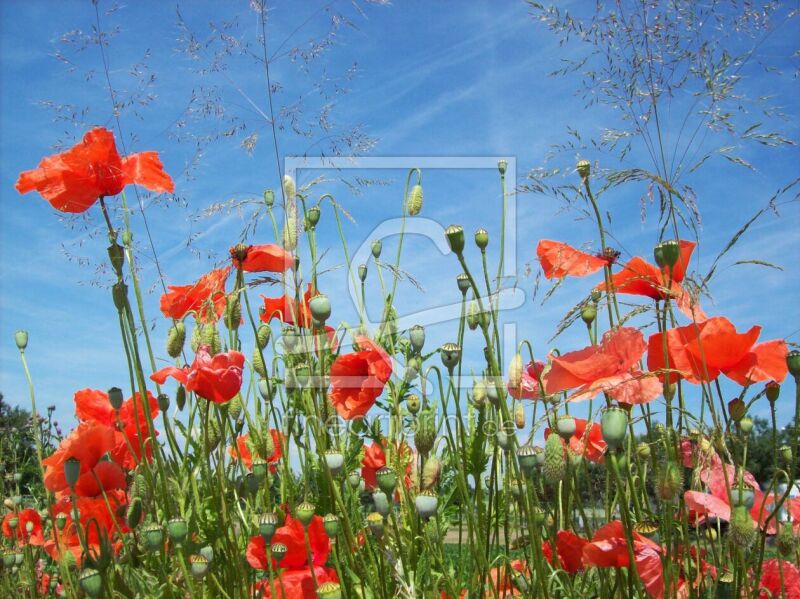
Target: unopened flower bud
{"points": [[180, 397], [669, 482], [455, 238], [479, 393], [555, 463], [414, 203], [134, 514], [737, 409], [262, 335], [289, 188], [176, 337], [742, 529], [746, 425], [473, 315], [515, 371], [431, 472]]}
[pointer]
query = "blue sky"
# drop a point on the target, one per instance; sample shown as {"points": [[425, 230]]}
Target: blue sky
{"points": [[430, 81]]}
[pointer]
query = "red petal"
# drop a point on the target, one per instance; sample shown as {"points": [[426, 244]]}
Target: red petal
{"points": [[559, 259]]}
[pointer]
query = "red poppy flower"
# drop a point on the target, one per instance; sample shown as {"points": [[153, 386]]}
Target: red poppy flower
{"points": [[216, 378], [72, 181], [779, 579], [261, 258], [639, 277], [244, 449], [285, 308], [529, 387], [130, 431], [610, 367], [99, 524], [297, 583], [89, 443], [375, 458], [560, 259], [587, 440], [608, 549], [357, 379], [23, 537], [206, 298], [569, 549], [701, 351], [291, 534]]}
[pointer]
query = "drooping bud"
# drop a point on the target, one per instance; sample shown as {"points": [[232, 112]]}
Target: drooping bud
{"points": [[667, 253], [414, 203], [233, 312], [737, 409], [258, 363], [450, 354], [482, 239], [305, 512], [426, 503], [209, 335], [134, 515], [519, 416], [426, 431], [455, 238], [21, 339], [473, 315], [515, 371], [431, 472], [376, 248], [584, 168], [115, 398], [742, 529], [312, 216], [262, 335], [746, 425], [555, 463], [614, 426]]}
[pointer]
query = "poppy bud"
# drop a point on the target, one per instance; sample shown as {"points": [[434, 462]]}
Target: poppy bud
{"points": [[527, 458], [334, 460], [381, 502], [515, 371], [180, 397], [207, 552], [329, 590], [91, 582], [258, 363], [492, 393], [742, 529], [482, 238], [263, 335], [213, 435], [209, 335], [177, 530], [431, 472], [584, 169], [643, 450], [519, 416], [375, 524], [595, 295], [450, 354], [473, 315], [502, 165], [72, 471], [267, 525], [588, 314], [320, 307], [746, 425], [772, 390], [455, 238], [425, 434], [233, 312], [278, 551], [312, 216], [737, 409], [115, 398], [793, 363], [331, 525], [426, 503], [614, 426], [134, 514], [362, 272], [305, 512], [21, 339], [119, 293], [566, 426], [376, 248], [667, 253], [711, 534], [290, 338], [414, 202], [354, 479], [669, 482], [786, 540], [413, 403], [555, 464]]}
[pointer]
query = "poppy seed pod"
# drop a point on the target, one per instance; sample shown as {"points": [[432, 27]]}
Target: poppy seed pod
{"points": [[413, 403], [643, 450], [331, 525], [72, 471], [362, 272], [387, 480], [305, 512], [267, 525], [614, 426], [61, 520], [177, 530], [502, 165], [746, 425], [13, 521], [786, 453], [329, 590], [793, 363], [115, 398], [414, 203], [8, 558], [772, 390], [450, 354], [503, 440], [269, 198], [416, 335], [207, 552], [737, 409], [527, 457], [473, 315], [21, 339], [455, 238], [588, 314], [320, 307], [669, 482], [667, 253], [566, 426], [482, 238], [381, 502], [376, 248], [91, 582], [375, 524], [279, 551], [198, 565], [334, 460], [584, 168], [354, 479], [312, 216], [426, 503], [163, 402]]}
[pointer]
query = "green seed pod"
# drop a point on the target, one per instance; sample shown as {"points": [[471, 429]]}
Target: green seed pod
{"points": [[416, 335], [426, 503], [269, 198], [331, 525], [737, 409], [312, 216], [72, 470], [115, 398], [482, 239], [175, 339], [431, 472], [177, 530], [381, 502], [455, 238], [267, 525], [502, 165], [614, 426], [320, 307], [566, 426], [786, 540], [462, 281], [643, 450], [412, 403], [669, 482], [555, 463], [304, 512], [334, 461], [198, 565], [527, 457], [584, 169], [180, 397], [414, 202], [91, 582], [278, 551], [329, 590], [588, 314], [21, 339], [746, 425], [667, 253], [793, 363], [742, 530], [362, 272], [376, 248], [375, 524], [450, 354], [134, 515], [354, 479]]}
